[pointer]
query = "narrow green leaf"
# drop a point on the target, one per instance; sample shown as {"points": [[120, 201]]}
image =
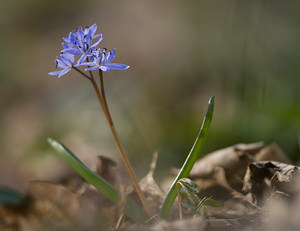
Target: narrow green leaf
{"points": [[132, 210], [208, 202], [190, 160], [212, 202], [9, 196]]}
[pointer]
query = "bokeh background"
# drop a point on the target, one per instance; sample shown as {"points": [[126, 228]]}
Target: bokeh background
{"points": [[246, 53]]}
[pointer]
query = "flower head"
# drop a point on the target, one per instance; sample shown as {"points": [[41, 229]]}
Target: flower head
{"points": [[102, 60], [80, 42], [65, 61]]}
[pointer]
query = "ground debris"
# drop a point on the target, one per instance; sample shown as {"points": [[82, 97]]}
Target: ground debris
{"points": [[255, 185], [106, 169], [272, 152], [233, 160], [266, 177], [49, 206], [218, 223], [152, 191], [191, 224]]}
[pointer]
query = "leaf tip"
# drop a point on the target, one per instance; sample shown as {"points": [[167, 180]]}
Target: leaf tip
{"points": [[211, 100], [52, 141], [54, 144]]}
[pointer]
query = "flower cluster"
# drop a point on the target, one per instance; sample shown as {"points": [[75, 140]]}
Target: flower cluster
{"points": [[80, 43]]}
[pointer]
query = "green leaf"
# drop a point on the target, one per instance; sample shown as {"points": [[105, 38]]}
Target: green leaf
{"points": [[132, 210], [208, 202], [191, 195], [190, 160], [189, 185], [9, 196], [211, 202]]}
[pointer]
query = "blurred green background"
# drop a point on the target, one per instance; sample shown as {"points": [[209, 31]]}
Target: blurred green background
{"points": [[246, 53]]}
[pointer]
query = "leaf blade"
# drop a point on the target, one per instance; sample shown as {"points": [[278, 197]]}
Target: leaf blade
{"points": [[190, 160], [132, 210]]}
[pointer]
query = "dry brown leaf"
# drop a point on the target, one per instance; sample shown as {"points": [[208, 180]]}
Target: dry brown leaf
{"points": [[272, 152], [221, 223], [106, 169], [54, 207], [191, 224], [233, 160], [47, 205], [263, 178], [152, 191], [58, 194]]}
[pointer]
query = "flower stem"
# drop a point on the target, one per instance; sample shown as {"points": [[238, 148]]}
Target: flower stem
{"points": [[121, 149], [102, 100], [111, 123]]}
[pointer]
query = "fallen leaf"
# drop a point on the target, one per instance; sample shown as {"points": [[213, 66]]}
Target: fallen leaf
{"points": [[234, 160], [272, 152], [191, 224], [106, 169], [263, 178], [152, 191]]}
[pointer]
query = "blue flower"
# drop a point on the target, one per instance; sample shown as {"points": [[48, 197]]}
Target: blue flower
{"points": [[80, 42], [102, 60], [65, 61]]}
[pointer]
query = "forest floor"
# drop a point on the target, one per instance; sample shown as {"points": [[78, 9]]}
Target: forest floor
{"points": [[256, 186]]}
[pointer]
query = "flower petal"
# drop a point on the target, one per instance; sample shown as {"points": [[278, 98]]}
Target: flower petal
{"points": [[111, 56], [67, 40], [54, 73], [73, 51], [72, 37], [82, 59], [97, 35], [117, 66], [64, 71], [86, 63], [97, 43], [60, 63], [93, 29], [80, 34], [65, 45], [68, 59], [104, 68], [92, 68]]}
